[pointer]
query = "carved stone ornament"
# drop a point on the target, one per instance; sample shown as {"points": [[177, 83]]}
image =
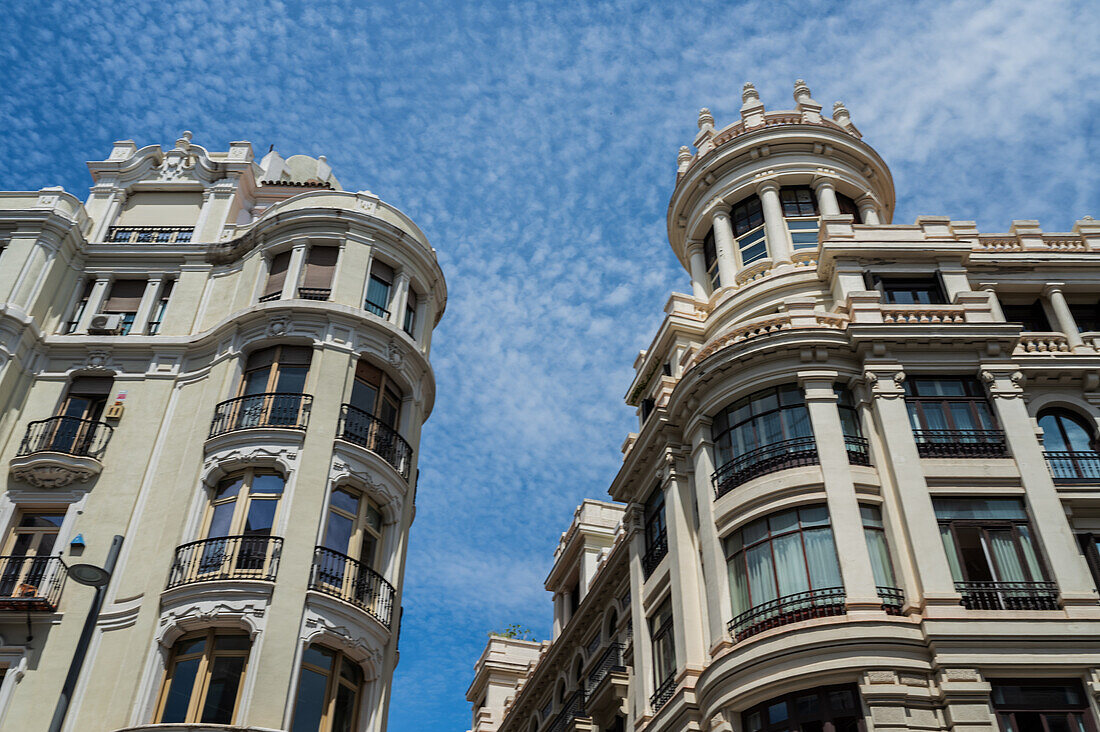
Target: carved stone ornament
{"points": [[97, 360], [369, 658], [368, 205], [176, 622], [395, 354], [278, 326], [997, 386], [882, 389], [44, 474]]}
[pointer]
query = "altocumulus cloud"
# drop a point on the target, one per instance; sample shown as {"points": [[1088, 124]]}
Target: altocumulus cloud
{"points": [[535, 145]]}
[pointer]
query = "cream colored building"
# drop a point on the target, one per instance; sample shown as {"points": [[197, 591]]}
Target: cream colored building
{"points": [[865, 489], [223, 361]]}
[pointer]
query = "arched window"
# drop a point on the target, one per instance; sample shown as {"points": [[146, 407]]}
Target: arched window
{"points": [[329, 689], [1071, 446], [203, 678], [783, 568], [747, 218], [710, 260], [761, 433]]}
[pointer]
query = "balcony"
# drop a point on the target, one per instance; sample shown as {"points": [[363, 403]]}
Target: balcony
{"points": [[31, 584], [611, 662], [572, 708], [279, 410], [654, 554], [352, 581], [788, 609], [893, 599], [763, 460], [365, 430], [226, 558], [314, 293], [961, 443], [858, 450], [1008, 595], [1074, 467], [56, 451], [664, 692], [150, 234]]}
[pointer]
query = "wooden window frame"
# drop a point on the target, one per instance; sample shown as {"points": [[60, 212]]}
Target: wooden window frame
{"points": [[973, 394], [243, 500], [273, 368], [755, 417], [985, 526], [333, 681], [826, 715], [747, 220], [387, 391], [1006, 712], [361, 526], [201, 685]]}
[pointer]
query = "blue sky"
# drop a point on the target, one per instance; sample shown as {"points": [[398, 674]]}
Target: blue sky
{"points": [[535, 145]]}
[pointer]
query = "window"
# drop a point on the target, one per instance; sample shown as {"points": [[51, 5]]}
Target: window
{"points": [[783, 568], [329, 686], [409, 325], [81, 305], [161, 306], [276, 277], [710, 260], [204, 677], [378, 289], [664, 654], [344, 563], [75, 429], [648, 405], [848, 206], [375, 393], [824, 709], [747, 218], [1031, 317], [656, 536], [854, 442], [800, 212], [911, 290], [28, 560], [353, 526], [1070, 445], [766, 431], [950, 417], [124, 300], [1090, 547], [993, 556], [281, 369], [1086, 316], [874, 532], [319, 269], [1042, 705]]}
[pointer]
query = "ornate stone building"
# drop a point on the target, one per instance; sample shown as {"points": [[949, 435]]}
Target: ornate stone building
{"points": [[865, 489], [213, 375]]}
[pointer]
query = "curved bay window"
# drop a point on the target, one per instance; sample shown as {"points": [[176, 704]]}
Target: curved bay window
{"points": [[800, 212], [270, 392], [1070, 445], [747, 218], [993, 555], [766, 431], [204, 677], [824, 709], [371, 417], [783, 568], [329, 688], [951, 417]]}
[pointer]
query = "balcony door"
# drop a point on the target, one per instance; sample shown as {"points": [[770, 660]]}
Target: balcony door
{"points": [[27, 552], [75, 427], [239, 523], [272, 385], [351, 544], [1070, 445]]}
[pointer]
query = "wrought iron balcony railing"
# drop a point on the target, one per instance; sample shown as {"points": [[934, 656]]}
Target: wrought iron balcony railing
{"points": [[314, 293], [376, 309], [29, 584], [572, 708], [961, 443], [270, 297], [857, 449], [68, 435], [226, 558], [364, 429], [788, 609], [610, 662], [285, 410], [764, 460], [1074, 467], [664, 692], [893, 599], [150, 234], [1008, 595], [654, 554], [352, 581]]}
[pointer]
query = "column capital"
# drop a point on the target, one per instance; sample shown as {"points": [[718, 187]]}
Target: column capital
{"points": [[299, 243], [768, 184], [823, 181], [718, 207], [818, 385], [885, 383], [1052, 287], [691, 246], [987, 286], [633, 519], [1003, 382]]}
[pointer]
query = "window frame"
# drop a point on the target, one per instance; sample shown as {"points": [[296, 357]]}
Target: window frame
{"points": [[725, 451], [201, 685], [1006, 712], [827, 715], [663, 643], [889, 285], [334, 680], [387, 392], [800, 216], [747, 221], [361, 527], [275, 368], [973, 394], [986, 525]]}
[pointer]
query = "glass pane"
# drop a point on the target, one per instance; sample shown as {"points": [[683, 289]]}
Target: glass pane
{"points": [[755, 531], [871, 515], [952, 553], [228, 487], [963, 417], [221, 694], [190, 647], [261, 517], [350, 672], [267, 484], [378, 294], [797, 422], [292, 379], [979, 508], [790, 565], [374, 518], [934, 416], [814, 516], [739, 586], [345, 501], [822, 559], [1079, 438], [232, 643], [761, 574], [1031, 558], [318, 656], [777, 713], [765, 402], [880, 557], [783, 521], [179, 691], [255, 382], [222, 519], [363, 396], [343, 713], [311, 701], [972, 552], [42, 520], [369, 550], [1005, 557], [338, 532]]}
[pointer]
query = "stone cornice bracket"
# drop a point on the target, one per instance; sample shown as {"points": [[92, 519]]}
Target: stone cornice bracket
{"points": [[633, 519], [1003, 384], [885, 384]]}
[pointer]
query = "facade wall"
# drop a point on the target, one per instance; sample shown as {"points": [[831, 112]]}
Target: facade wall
{"points": [[855, 331], [183, 428]]}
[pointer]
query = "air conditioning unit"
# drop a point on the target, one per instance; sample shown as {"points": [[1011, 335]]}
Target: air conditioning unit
{"points": [[105, 323]]}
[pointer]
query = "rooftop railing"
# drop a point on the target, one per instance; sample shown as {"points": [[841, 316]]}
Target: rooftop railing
{"points": [[150, 234]]}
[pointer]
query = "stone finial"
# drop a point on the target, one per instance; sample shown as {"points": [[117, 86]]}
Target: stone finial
{"points": [[752, 109], [801, 91], [840, 114], [184, 140], [683, 158], [706, 119], [810, 109], [749, 94]]}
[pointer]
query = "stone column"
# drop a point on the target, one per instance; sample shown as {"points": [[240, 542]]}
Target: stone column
{"points": [[1048, 516], [724, 245], [868, 211], [710, 547], [700, 278], [840, 492], [145, 307], [1064, 318], [827, 204], [634, 521], [400, 299], [114, 198], [687, 590], [913, 501], [95, 302], [294, 270], [775, 226], [994, 303]]}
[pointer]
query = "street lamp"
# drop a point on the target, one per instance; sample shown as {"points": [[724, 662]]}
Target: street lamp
{"points": [[92, 576]]}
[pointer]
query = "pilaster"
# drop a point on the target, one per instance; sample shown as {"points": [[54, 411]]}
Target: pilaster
{"points": [[294, 270], [95, 302], [716, 584]]}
